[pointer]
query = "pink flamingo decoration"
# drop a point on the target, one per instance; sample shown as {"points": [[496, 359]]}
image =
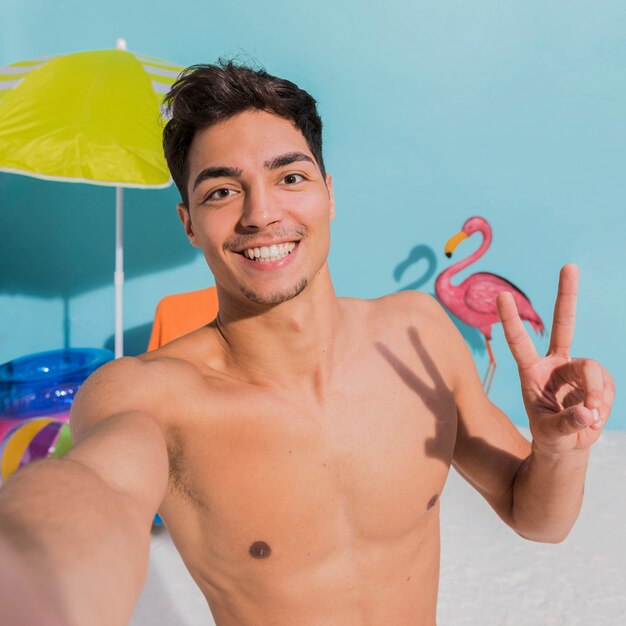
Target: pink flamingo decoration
{"points": [[474, 300]]}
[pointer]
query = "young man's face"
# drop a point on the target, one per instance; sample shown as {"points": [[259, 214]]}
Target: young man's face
{"points": [[259, 207]]}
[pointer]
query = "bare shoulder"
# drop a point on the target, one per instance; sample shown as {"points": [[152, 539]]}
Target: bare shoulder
{"points": [[411, 304], [130, 385], [413, 309], [395, 307], [416, 319]]}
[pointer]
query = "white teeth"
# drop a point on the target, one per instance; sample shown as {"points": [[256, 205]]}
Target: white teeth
{"points": [[270, 253]]}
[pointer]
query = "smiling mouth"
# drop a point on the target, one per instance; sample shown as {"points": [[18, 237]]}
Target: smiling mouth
{"points": [[267, 254]]}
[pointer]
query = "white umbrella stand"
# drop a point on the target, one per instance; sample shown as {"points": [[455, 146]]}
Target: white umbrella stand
{"points": [[118, 276]]}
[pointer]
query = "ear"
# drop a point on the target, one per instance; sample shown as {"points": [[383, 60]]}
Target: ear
{"points": [[185, 218], [329, 185]]}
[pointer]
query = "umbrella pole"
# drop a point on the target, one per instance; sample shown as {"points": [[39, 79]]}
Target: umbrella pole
{"points": [[118, 277]]}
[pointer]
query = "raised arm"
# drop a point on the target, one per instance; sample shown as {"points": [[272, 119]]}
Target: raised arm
{"points": [[75, 531], [537, 489]]}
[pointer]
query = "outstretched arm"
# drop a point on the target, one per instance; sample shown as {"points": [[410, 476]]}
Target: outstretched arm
{"points": [[77, 529], [535, 488]]}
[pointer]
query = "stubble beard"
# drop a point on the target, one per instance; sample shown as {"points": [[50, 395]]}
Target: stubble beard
{"points": [[297, 234], [275, 298]]}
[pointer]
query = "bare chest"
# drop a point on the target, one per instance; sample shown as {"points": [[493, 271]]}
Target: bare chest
{"points": [[295, 480]]}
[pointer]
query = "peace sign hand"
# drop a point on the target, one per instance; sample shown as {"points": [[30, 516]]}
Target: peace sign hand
{"points": [[567, 400]]}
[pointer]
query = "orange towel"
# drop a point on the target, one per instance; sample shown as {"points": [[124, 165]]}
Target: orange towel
{"points": [[182, 313]]}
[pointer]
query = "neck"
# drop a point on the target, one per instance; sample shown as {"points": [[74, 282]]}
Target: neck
{"points": [[289, 343]]}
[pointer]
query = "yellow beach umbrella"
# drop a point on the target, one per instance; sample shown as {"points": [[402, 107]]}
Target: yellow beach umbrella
{"points": [[90, 117]]}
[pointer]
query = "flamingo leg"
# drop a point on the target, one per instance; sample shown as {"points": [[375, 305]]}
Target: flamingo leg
{"points": [[491, 368], [493, 373], [486, 376]]}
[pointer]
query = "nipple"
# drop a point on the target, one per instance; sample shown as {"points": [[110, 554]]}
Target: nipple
{"points": [[260, 550], [432, 502]]}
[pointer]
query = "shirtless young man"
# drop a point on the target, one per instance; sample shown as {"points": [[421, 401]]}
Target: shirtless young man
{"points": [[297, 447]]}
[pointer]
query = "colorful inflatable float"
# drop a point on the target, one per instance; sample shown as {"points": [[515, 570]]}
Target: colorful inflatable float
{"points": [[36, 393]]}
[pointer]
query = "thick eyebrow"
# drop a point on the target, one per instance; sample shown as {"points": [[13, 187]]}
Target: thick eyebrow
{"points": [[287, 159], [222, 171], [216, 172]]}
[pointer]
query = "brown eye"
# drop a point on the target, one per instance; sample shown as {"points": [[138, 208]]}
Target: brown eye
{"points": [[292, 179], [220, 194]]}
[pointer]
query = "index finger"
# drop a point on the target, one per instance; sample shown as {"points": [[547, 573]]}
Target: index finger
{"points": [[516, 336], [564, 311]]}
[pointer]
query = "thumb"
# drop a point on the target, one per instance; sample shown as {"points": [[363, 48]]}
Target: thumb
{"points": [[574, 418]]}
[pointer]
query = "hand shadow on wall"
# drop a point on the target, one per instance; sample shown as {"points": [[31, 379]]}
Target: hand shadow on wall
{"points": [[420, 253]]}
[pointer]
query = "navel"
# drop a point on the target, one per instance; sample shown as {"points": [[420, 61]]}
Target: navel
{"points": [[260, 550], [432, 502]]}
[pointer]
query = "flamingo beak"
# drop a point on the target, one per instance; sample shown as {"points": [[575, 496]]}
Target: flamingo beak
{"points": [[453, 242]]}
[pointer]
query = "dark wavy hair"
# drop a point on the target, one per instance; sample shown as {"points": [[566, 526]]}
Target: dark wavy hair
{"points": [[206, 94]]}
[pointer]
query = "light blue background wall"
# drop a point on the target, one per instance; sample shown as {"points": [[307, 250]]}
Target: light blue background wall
{"points": [[434, 111]]}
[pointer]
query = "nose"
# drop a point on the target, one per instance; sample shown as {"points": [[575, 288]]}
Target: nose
{"points": [[260, 208]]}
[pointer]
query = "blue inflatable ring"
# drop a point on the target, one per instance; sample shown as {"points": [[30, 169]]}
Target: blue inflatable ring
{"points": [[46, 382]]}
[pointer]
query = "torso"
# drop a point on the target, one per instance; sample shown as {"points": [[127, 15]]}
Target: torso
{"points": [[290, 510]]}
